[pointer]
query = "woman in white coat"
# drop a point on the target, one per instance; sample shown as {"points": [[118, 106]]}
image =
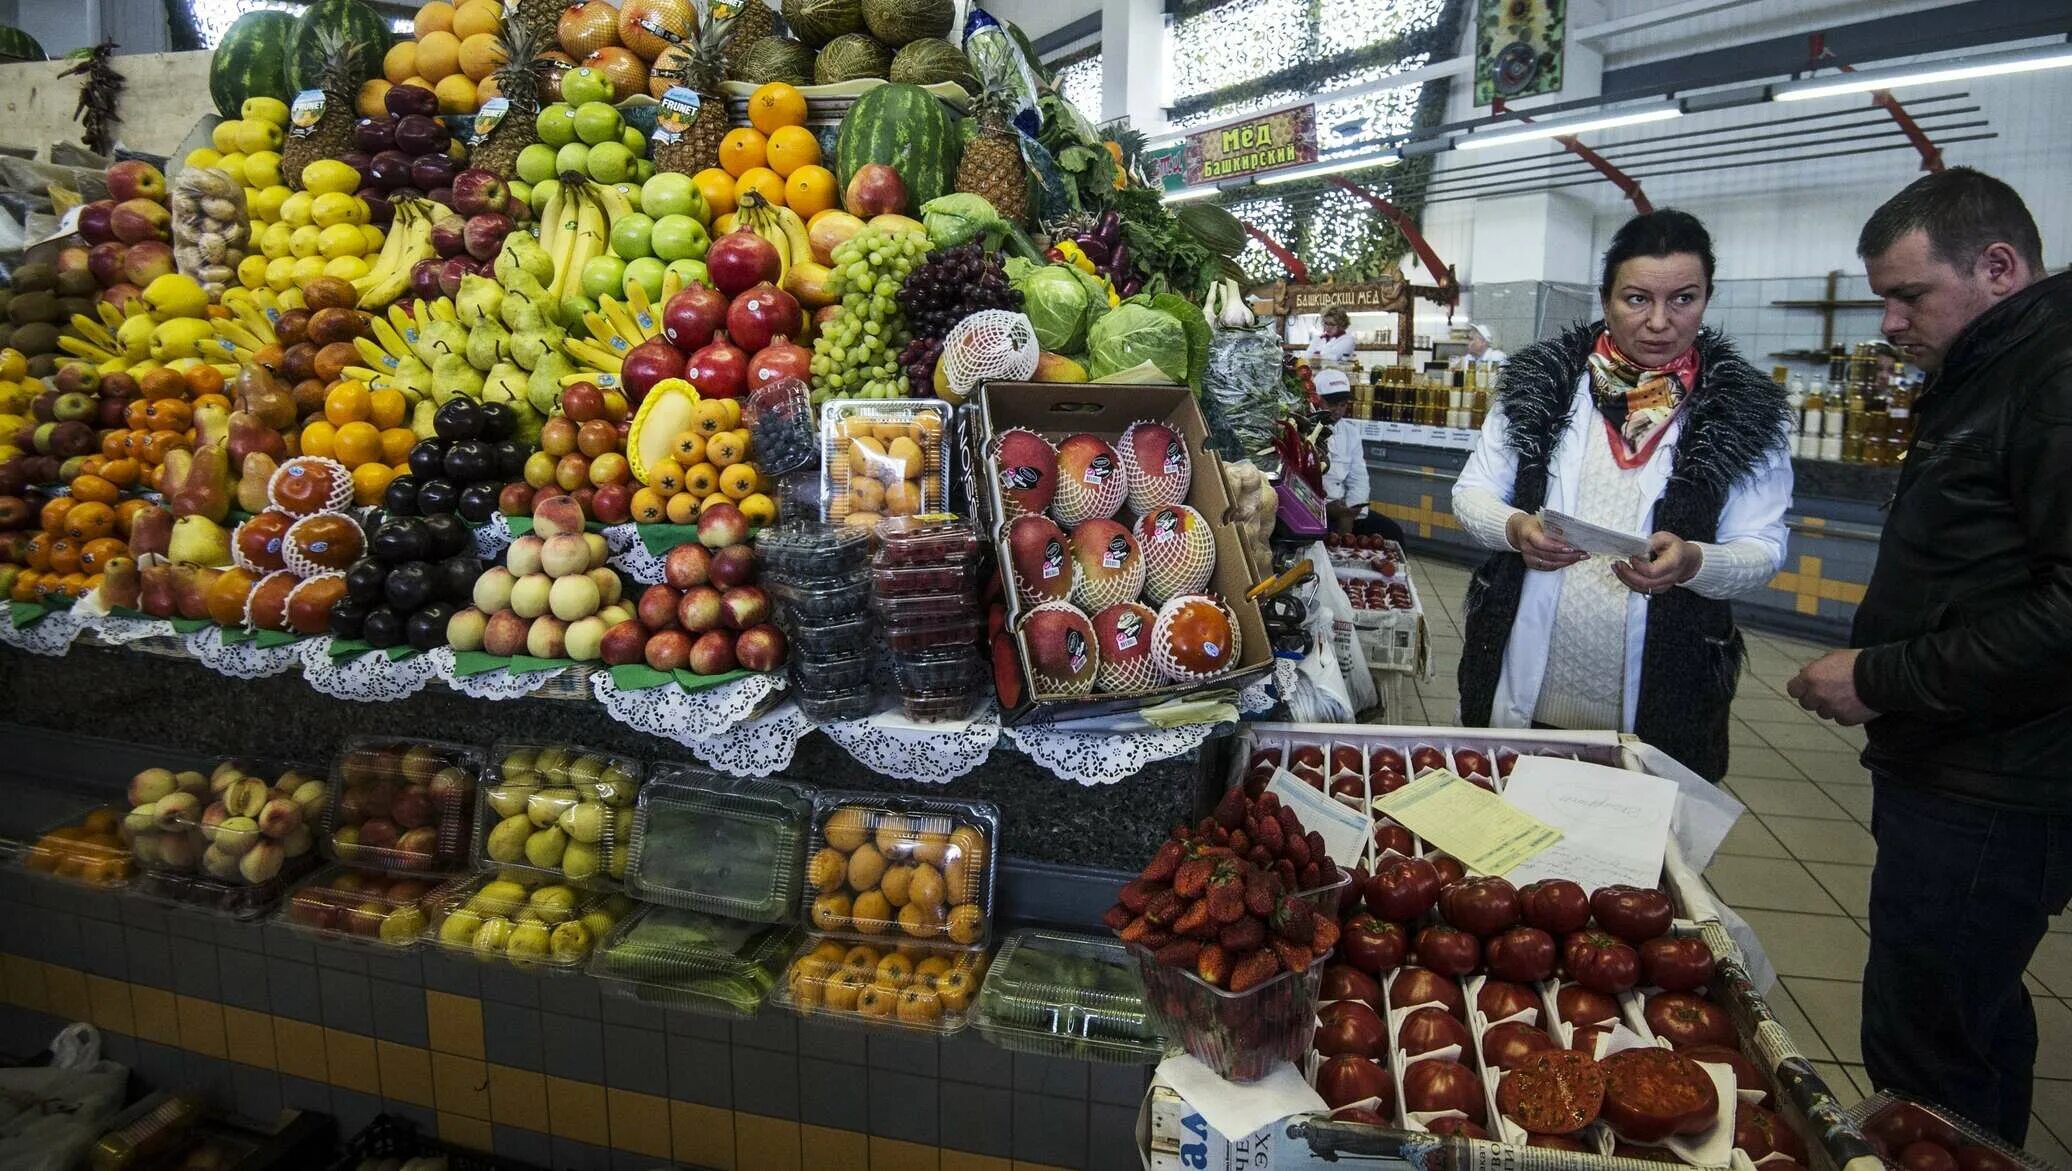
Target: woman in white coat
{"points": [[1647, 423]]}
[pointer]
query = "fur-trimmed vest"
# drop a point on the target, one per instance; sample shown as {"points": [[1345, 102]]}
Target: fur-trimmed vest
{"points": [[1691, 657]]}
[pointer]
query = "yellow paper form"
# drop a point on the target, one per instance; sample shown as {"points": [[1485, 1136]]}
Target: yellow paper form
{"points": [[1487, 834]]}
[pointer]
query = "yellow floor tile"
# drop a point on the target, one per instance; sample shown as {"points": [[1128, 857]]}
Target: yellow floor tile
{"points": [[406, 1073], [472, 1133], [111, 1005], [461, 1085], [201, 1026], [298, 1048], [576, 1110], [517, 1097], [892, 1155], [825, 1146], [26, 985], [67, 993], [702, 1135], [966, 1161], [766, 1144], [640, 1122], [249, 1036], [351, 1058], [453, 1023], [157, 1014]]}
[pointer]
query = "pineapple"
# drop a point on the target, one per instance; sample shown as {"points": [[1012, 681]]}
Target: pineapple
{"points": [[541, 18], [517, 79], [752, 21], [332, 136], [698, 147], [992, 165]]}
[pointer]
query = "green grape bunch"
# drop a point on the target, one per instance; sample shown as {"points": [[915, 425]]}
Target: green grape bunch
{"points": [[857, 352]]}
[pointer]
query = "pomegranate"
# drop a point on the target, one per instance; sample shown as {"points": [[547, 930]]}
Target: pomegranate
{"points": [[648, 363], [760, 314], [719, 370], [693, 315], [782, 358], [740, 260]]}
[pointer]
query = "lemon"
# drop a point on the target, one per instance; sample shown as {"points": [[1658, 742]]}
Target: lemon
{"points": [[295, 209], [280, 271], [263, 168], [303, 241], [234, 163], [178, 337], [307, 269], [328, 175], [265, 109], [337, 207], [202, 156], [254, 135], [266, 206], [373, 237], [273, 240], [224, 135], [251, 271], [340, 240], [176, 294], [346, 268]]}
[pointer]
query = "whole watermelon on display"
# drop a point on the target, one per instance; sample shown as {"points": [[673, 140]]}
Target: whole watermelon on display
{"points": [[904, 127], [251, 61], [16, 45], [355, 21]]}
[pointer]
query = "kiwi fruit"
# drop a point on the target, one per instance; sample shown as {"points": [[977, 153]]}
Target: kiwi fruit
{"points": [[37, 337], [44, 365], [6, 296], [34, 277], [70, 307], [31, 307], [6, 334], [76, 283]]}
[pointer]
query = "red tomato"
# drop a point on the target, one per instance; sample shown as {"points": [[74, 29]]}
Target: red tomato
{"points": [[1502, 999], [1403, 889], [1554, 905], [1633, 913], [1444, 1085], [1346, 982], [1507, 1044], [1390, 836], [1483, 905], [1448, 951], [1431, 1028], [1347, 1078], [1746, 1075], [1371, 945], [1522, 953], [1416, 986], [1684, 1020], [1460, 1127], [1600, 962], [1350, 1027], [1448, 866], [1676, 965], [1578, 1005], [1924, 1155]]}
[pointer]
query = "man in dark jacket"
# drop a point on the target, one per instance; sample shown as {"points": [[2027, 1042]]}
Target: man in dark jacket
{"points": [[1963, 670]]}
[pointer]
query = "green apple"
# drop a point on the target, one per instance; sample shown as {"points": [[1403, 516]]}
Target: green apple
{"points": [[598, 122], [689, 271], [604, 276], [586, 84], [536, 162], [610, 163], [647, 273], [679, 237], [556, 124], [542, 192], [522, 190], [573, 307], [631, 190], [643, 170], [630, 236], [573, 157], [673, 193], [635, 141]]}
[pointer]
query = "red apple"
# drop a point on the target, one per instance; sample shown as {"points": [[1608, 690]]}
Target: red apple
{"points": [[140, 219], [689, 565], [476, 191], [93, 221], [699, 609], [744, 606], [146, 261], [105, 261], [582, 402], [626, 642], [136, 179], [875, 189], [657, 607]]}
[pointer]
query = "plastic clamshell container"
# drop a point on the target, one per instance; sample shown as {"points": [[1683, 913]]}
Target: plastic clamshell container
{"points": [[888, 981], [693, 961], [933, 540], [836, 672], [234, 898], [252, 823], [937, 670], [486, 915], [370, 908], [821, 599], [809, 551], [436, 782], [87, 849], [559, 810], [1078, 997], [860, 840], [844, 703], [864, 439], [702, 842], [904, 580], [832, 637], [921, 611], [927, 635], [1240, 1035]]}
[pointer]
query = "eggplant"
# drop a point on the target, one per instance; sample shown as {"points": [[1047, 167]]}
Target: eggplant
{"points": [[1093, 249], [1129, 288], [1119, 257], [1110, 227]]}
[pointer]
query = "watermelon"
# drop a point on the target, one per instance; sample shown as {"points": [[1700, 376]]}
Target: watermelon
{"points": [[16, 45], [251, 61], [904, 127], [357, 22]]}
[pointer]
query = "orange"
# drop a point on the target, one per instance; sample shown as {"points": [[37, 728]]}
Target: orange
{"points": [[123, 473], [369, 481], [396, 443], [347, 402], [319, 438], [810, 190], [357, 443], [372, 101], [763, 181], [386, 408], [718, 189], [475, 18], [480, 54], [204, 379], [742, 149], [94, 488], [456, 94], [776, 105], [434, 17], [438, 56], [792, 147]]}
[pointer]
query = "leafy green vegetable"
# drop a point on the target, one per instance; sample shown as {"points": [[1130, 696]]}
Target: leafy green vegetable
{"points": [[1058, 301], [1134, 334], [958, 219]]}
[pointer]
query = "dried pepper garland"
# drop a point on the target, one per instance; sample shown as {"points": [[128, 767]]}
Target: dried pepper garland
{"points": [[99, 95]]}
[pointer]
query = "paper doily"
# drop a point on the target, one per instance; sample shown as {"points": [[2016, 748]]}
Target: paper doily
{"points": [[498, 684], [367, 678], [241, 660], [637, 563], [123, 629], [937, 753], [1103, 758], [685, 716], [51, 634], [492, 537], [757, 747]]}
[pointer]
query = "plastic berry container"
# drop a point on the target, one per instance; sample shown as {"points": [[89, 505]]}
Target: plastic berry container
{"points": [[1242, 1036], [844, 669], [1077, 997], [823, 599], [729, 847], [841, 703], [524, 920], [833, 637], [935, 539], [921, 610], [779, 417], [943, 632], [887, 981], [906, 580], [434, 783], [890, 867], [558, 810], [810, 551], [942, 669], [693, 961]]}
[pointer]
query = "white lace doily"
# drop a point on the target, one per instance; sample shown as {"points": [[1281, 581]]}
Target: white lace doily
{"points": [[1100, 758], [123, 629], [492, 538], [498, 684], [685, 716], [51, 634], [636, 562], [368, 678], [241, 660], [889, 743], [1261, 697], [757, 747]]}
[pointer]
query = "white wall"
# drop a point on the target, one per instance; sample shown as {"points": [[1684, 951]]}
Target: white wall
{"points": [[1038, 17]]}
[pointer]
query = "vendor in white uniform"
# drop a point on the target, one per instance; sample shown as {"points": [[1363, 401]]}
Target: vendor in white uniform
{"points": [[1335, 344], [1481, 350], [1649, 424]]}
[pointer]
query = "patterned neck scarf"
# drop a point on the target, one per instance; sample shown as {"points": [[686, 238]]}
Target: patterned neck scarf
{"points": [[1636, 402]]}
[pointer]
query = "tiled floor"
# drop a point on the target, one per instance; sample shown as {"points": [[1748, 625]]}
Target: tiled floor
{"points": [[1797, 865]]}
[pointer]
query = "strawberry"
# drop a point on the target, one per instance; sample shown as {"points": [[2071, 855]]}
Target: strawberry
{"points": [[1180, 833], [1219, 835], [1327, 869], [1136, 894], [1310, 877], [1294, 921], [1116, 917], [1230, 811], [1164, 907], [1247, 934], [1271, 835], [1253, 969], [1269, 805], [1135, 930], [1316, 845], [1296, 850], [1191, 881], [1163, 863], [1286, 871], [1205, 828], [1324, 936], [1212, 964], [1156, 938], [1259, 856], [1180, 953], [1228, 905], [1240, 841], [1195, 920], [1259, 897], [1289, 822], [1293, 956]]}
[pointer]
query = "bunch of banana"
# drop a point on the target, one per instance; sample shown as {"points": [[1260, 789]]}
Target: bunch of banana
{"points": [[396, 356], [409, 241], [573, 230], [134, 340], [781, 226]]}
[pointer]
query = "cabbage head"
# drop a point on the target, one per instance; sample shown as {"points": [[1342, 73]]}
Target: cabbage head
{"points": [[1059, 303], [1132, 335]]}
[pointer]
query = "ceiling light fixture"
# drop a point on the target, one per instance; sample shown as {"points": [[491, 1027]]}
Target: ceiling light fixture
{"points": [[1332, 168], [1508, 136], [1926, 73], [1188, 194]]}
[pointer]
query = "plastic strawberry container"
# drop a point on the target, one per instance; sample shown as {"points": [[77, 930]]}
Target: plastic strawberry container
{"points": [[923, 610], [1240, 1035], [823, 599], [1076, 997], [934, 540], [838, 703], [888, 981], [692, 961], [927, 634], [702, 842]]}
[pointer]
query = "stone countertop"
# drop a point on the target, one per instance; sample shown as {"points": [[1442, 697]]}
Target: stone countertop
{"points": [[152, 701]]}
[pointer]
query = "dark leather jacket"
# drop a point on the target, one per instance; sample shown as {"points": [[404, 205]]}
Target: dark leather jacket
{"points": [[1967, 622]]}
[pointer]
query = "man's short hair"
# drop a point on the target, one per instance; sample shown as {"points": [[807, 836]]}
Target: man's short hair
{"points": [[1963, 212]]}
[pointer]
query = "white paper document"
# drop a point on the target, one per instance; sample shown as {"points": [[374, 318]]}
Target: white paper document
{"points": [[1344, 829], [1614, 823], [1590, 538], [1238, 1110]]}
